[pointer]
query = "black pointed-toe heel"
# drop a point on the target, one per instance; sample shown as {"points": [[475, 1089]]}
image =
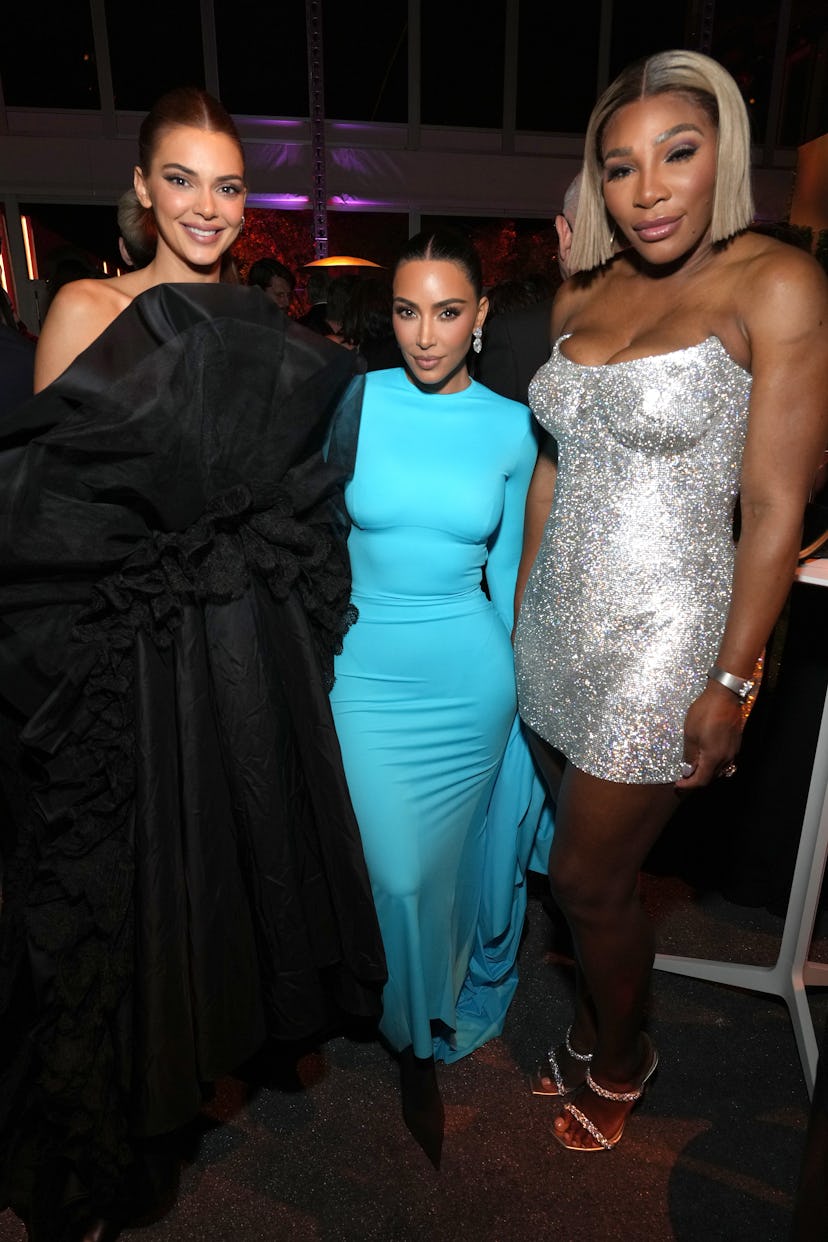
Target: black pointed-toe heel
{"points": [[422, 1104]]}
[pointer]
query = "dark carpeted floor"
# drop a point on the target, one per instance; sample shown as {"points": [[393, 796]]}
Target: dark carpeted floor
{"points": [[713, 1153]]}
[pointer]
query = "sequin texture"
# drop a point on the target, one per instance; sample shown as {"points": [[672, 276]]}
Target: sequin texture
{"points": [[625, 605]]}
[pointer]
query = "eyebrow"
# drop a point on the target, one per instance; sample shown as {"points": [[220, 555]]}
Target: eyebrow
{"points": [[682, 128], [191, 172], [445, 301]]}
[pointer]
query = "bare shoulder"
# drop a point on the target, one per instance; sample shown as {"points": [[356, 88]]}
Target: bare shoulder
{"points": [[79, 313], [561, 309], [780, 288], [576, 293]]}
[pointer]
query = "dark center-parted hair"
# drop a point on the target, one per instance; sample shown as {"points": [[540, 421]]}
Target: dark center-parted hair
{"points": [[445, 245], [705, 83], [186, 105]]}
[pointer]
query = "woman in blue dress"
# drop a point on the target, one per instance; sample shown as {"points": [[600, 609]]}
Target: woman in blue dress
{"points": [[424, 700]]}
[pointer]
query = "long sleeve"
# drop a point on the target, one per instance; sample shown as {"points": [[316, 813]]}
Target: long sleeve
{"points": [[506, 542]]}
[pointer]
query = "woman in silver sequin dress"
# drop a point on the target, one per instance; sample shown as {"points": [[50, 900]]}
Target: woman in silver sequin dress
{"points": [[689, 367]]}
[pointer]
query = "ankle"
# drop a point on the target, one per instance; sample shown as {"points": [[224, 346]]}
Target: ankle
{"points": [[415, 1067], [627, 1072], [578, 1046]]}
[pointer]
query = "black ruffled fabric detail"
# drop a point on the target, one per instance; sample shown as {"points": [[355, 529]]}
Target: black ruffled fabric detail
{"points": [[212, 561], [90, 784]]}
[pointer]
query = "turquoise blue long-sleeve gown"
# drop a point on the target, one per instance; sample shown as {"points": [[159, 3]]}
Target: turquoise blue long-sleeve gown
{"points": [[445, 792]]}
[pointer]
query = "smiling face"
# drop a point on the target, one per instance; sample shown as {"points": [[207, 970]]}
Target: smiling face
{"points": [[659, 175], [435, 311], [195, 187]]}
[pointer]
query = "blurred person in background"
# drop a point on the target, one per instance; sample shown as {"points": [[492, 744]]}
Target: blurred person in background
{"points": [[368, 326], [277, 281], [519, 341], [316, 292], [17, 352], [340, 291]]}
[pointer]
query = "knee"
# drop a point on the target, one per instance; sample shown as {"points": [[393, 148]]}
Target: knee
{"points": [[569, 881], [395, 880], [584, 889]]}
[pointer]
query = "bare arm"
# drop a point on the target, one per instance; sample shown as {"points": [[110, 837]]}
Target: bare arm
{"points": [[787, 328]]}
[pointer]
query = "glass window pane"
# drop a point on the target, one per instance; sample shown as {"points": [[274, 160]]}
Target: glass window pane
{"points": [[804, 113], [366, 63], [262, 58], [556, 85], [47, 56], [73, 239], [744, 41], [375, 235], [151, 54], [641, 27], [462, 62]]}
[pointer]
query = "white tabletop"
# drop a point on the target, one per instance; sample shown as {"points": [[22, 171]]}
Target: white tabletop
{"points": [[814, 572]]}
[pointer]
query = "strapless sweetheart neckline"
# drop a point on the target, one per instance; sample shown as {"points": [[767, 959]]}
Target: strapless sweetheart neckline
{"points": [[625, 362]]}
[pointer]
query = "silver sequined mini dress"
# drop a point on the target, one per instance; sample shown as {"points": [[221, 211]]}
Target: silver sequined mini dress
{"points": [[626, 603]]}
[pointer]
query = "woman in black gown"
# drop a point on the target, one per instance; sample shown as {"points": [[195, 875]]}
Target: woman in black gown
{"points": [[182, 873]]}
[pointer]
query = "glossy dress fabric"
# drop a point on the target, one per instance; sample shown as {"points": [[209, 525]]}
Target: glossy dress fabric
{"points": [[626, 603], [425, 707], [183, 874]]}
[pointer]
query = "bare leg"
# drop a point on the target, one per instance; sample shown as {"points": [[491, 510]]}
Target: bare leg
{"points": [[603, 832], [583, 1035]]}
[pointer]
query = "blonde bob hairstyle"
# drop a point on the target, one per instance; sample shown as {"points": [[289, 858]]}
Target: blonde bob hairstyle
{"points": [[708, 85]]}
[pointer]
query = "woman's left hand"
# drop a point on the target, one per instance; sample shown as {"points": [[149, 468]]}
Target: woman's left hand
{"points": [[712, 736]]}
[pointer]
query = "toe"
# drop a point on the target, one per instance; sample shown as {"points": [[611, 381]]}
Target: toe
{"points": [[569, 1131]]}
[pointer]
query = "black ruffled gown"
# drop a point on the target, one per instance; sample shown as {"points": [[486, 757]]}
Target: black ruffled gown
{"points": [[182, 872]]}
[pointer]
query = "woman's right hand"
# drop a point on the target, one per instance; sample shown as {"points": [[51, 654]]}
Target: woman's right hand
{"points": [[712, 735]]}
